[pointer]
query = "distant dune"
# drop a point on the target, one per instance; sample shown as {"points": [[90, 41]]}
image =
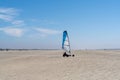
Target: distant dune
{"points": [[50, 65]]}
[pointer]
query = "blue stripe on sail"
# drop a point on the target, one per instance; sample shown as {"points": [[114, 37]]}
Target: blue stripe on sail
{"points": [[64, 37]]}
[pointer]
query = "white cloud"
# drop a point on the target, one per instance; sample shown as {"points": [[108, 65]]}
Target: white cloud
{"points": [[9, 15], [8, 11], [47, 31], [17, 22], [16, 32], [7, 18]]}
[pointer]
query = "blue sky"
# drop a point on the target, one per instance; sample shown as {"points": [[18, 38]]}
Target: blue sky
{"points": [[91, 24]]}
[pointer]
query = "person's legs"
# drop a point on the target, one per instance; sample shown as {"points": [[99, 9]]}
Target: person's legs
{"points": [[66, 55]]}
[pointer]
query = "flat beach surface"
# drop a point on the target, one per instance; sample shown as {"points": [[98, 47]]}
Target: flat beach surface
{"points": [[50, 65]]}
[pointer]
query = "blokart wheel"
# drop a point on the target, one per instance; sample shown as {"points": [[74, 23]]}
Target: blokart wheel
{"points": [[73, 55]]}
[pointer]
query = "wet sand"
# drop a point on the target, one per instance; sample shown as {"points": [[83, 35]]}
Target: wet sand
{"points": [[50, 65]]}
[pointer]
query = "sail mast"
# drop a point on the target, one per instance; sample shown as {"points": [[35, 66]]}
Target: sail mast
{"points": [[69, 43]]}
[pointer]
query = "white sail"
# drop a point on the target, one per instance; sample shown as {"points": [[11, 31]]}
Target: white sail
{"points": [[66, 43]]}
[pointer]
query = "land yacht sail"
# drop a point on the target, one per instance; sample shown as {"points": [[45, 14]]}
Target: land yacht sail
{"points": [[66, 45]]}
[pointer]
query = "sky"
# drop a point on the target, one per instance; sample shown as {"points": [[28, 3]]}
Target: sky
{"points": [[39, 24]]}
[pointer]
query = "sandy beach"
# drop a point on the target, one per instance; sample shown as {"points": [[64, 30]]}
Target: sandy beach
{"points": [[50, 65]]}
